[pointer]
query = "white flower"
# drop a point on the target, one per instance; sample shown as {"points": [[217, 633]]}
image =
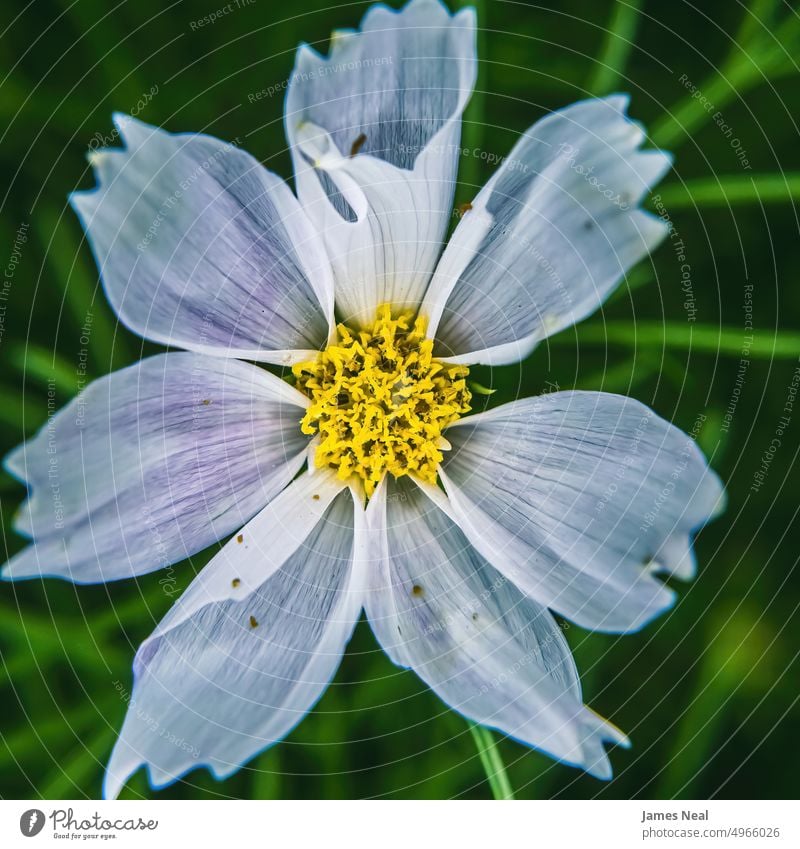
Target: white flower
{"points": [[572, 502]]}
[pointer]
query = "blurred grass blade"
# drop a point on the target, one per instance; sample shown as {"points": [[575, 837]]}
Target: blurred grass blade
{"points": [[46, 368], [764, 55], [21, 411], [474, 123], [72, 721], [700, 338], [491, 761], [143, 606], [610, 66], [60, 639], [639, 276], [110, 43], [757, 18], [81, 767], [622, 377], [732, 671], [733, 190], [93, 324], [266, 782], [686, 117]]}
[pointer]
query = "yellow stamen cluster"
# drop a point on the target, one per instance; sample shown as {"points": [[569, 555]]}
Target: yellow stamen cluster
{"points": [[379, 401]]}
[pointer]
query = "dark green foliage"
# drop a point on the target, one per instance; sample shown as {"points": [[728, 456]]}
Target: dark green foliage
{"points": [[708, 693]]}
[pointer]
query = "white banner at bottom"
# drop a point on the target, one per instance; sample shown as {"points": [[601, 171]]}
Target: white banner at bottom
{"points": [[400, 824]]}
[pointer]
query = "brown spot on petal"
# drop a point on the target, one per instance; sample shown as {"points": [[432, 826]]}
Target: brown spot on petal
{"points": [[357, 144], [235, 582], [240, 538], [315, 497], [253, 621], [417, 591]]}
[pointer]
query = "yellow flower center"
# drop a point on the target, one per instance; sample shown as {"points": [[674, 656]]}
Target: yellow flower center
{"points": [[379, 401]]}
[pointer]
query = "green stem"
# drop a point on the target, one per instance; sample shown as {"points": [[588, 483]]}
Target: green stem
{"points": [[620, 35], [491, 761]]}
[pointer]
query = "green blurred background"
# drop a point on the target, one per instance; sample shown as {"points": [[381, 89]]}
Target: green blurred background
{"points": [[708, 693]]}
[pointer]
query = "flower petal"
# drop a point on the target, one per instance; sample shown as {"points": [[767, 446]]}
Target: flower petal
{"points": [[549, 237], [221, 679], [201, 247], [375, 132], [493, 655], [575, 496], [153, 463]]}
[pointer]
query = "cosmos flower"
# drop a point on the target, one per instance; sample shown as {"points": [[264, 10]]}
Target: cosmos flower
{"points": [[363, 483]]}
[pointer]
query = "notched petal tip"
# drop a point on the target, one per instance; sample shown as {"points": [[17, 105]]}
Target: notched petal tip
{"points": [[95, 157], [608, 730], [338, 36], [26, 564], [652, 165], [600, 733], [84, 204], [15, 462], [124, 763], [380, 15], [664, 599], [132, 131], [619, 100], [717, 498], [720, 506], [306, 59], [116, 776]]}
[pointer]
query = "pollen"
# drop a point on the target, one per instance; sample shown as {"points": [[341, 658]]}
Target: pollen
{"points": [[380, 401]]}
